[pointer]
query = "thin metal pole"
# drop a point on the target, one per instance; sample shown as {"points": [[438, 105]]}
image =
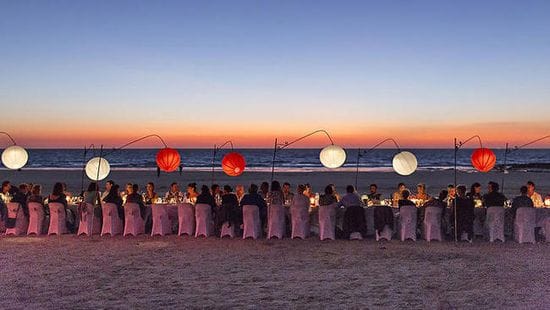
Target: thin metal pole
{"points": [[213, 159], [83, 171], [504, 167], [97, 189], [454, 200], [357, 167], [273, 160]]}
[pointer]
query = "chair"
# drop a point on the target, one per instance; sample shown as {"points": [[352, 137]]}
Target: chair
{"points": [[407, 220], [36, 218], [227, 230], [203, 219], [251, 220], [21, 223], [524, 225], [186, 219], [133, 223], [161, 222], [386, 233], [276, 221], [89, 224], [300, 221], [327, 222], [58, 217], [495, 223], [432, 224], [112, 223]]}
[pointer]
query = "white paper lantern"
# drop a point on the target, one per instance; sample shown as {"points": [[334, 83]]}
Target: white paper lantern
{"points": [[97, 168], [405, 163], [332, 156], [15, 157]]}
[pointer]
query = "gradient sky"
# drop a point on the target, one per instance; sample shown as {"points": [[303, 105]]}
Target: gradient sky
{"points": [[202, 72]]}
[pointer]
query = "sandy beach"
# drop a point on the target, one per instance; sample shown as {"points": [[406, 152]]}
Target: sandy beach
{"points": [[183, 272], [387, 181]]}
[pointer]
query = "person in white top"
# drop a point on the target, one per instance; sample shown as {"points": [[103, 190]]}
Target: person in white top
{"points": [[536, 197]]}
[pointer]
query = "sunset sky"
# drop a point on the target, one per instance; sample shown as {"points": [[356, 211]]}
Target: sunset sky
{"points": [[201, 72]]}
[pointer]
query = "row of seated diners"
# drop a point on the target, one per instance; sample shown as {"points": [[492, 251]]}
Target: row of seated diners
{"points": [[197, 220]]}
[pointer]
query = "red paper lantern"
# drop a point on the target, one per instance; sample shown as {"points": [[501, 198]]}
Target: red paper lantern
{"points": [[483, 159], [233, 164], [168, 159]]}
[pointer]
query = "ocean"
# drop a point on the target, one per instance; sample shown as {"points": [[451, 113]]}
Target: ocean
{"points": [[287, 159]]}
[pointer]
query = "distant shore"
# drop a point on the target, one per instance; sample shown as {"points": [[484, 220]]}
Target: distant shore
{"points": [[386, 181]]}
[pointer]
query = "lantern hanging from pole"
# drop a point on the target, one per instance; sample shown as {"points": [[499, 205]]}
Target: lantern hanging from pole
{"points": [[332, 156], [168, 159], [233, 164], [405, 163], [97, 168], [15, 157], [483, 159]]}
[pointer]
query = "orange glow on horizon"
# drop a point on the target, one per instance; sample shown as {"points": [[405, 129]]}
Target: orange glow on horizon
{"points": [[494, 135]]}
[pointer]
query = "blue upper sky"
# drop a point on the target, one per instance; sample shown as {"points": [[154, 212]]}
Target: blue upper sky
{"points": [[335, 64]]}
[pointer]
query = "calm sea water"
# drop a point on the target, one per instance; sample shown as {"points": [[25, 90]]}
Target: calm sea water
{"points": [[260, 159]]}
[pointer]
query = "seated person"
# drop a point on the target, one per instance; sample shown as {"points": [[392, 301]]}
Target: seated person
{"points": [[374, 195], [493, 198], [253, 198], [522, 201], [464, 213], [354, 215], [405, 199], [114, 197]]}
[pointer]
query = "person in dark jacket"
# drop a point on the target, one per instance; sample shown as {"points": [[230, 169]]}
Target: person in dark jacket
{"points": [[405, 199], [229, 211], [133, 196], [114, 197], [21, 197], [493, 198], [522, 201], [253, 198], [464, 213]]}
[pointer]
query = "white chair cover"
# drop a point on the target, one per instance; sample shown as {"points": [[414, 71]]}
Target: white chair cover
{"points": [[407, 221], [203, 219], [36, 218], [133, 223], [386, 233], [112, 223], [276, 221], [58, 217], [228, 230], [495, 223], [524, 225], [300, 221], [432, 224], [87, 219], [327, 222], [161, 221], [251, 220], [21, 223], [186, 219]]}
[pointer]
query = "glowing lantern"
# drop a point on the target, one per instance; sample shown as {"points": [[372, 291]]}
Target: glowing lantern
{"points": [[483, 159], [168, 159], [233, 164], [97, 168], [332, 156], [405, 163], [14, 157]]}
